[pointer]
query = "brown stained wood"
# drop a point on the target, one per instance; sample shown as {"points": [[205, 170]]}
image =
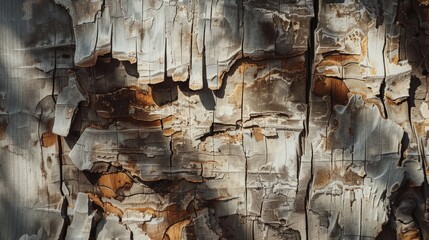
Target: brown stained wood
{"points": [[258, 134], [236, 95], [410, 234], [172, 222], [48, 139], [325, 176], [110, 184], [3, 126], [335, 88], [175, 232]]}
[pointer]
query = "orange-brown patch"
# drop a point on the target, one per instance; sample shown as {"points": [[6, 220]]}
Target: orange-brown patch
{"points": [[257, 132], [395, 59], [294, 65], [109, 184], [410, 234], [324, 176], [48, 139], [144, 97], [328, 71], [3, 126], [244, 65], [168, 119], [333, 87], [233, 138], [175, 231], [148, 124], [168, 132], [171, 215], [167, 123], [142, 123], [421, 128], [236, 95]]}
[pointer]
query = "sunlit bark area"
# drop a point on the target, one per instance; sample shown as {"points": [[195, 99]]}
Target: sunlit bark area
{"points": [[214, 119]]}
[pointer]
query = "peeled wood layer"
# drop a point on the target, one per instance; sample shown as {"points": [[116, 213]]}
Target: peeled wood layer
{"points": [[213, 119]]}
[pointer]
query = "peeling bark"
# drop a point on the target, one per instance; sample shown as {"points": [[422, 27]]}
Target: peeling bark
{"points": [[245, 119]]}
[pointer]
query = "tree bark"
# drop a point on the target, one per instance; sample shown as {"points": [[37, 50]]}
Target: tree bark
{"points": [[202, 119]]}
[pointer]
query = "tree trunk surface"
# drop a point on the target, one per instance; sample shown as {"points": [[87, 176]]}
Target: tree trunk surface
{"points": [[214, 119]]}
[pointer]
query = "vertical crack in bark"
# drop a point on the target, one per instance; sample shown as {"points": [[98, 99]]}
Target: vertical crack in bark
{"points": [[65, 203], [405, 142], [39, 137], [244, 149], [311, 42], [383, 83], [54, 71], [414, 84], [307, 193], [309, 63], [171, 100], [241, 124]]}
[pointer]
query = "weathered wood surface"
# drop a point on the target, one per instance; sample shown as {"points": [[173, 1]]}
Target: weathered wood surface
{"points": [[244, 119]]}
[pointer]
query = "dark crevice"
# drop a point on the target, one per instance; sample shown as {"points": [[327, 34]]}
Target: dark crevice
{"points": [[240, 124], [380, 14], [309, 71], [405, 142], [166, 92], [309, 63], [171, 157], [130, 68], [383, 83], [66, 218], [388, 231], [216, 128], [54, 73], [307, 194], [92, 176], [165, 59], [94, 222], [65, 204], [414, 84], [381, 95]]}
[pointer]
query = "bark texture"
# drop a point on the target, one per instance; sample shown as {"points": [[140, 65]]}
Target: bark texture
{"points": [[214, 119]]}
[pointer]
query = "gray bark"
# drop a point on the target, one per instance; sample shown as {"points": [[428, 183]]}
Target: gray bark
{"points": [[244, 119]]}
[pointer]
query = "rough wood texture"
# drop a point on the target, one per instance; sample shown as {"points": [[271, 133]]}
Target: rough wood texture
{"points": [[204, 119]]}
